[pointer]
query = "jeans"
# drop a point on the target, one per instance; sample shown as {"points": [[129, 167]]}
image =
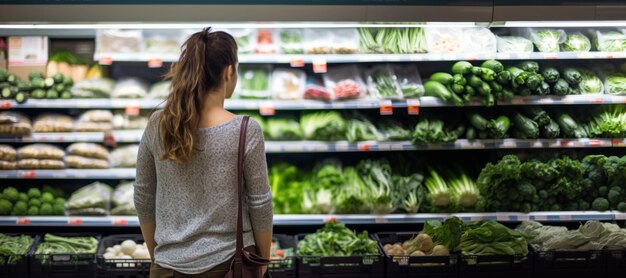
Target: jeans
{"points": [[219, 271]]}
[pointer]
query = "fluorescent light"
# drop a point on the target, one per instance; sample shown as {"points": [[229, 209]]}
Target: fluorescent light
{"points": [[599, 23], [223, 25]]}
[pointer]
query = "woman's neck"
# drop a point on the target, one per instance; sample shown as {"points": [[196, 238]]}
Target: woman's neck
{"points": [[213, 112]]}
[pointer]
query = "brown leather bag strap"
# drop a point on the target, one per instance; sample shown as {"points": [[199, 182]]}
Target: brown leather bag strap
{"points": [[240, 158]]}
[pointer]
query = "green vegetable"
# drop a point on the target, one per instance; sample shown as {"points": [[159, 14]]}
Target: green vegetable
{"points": [[488, 74], [65, 245], [474, 81], [58, 78], [5, 207], [464, 190], [68, 82], [438, 192], [335, 240], [526, 128], [569, 127], [547, 40], [254, 83], [458, 79], [492, 238], [495, 87], [518, 76], [438, 90], [20, 208], [609, 122], [507, 94], [377, 176], [442, 77], [432, 131], [493, 65], [38, 94], [561, 87], [447, 234], [576, 42], [326, 125], [503, 77], [538, 115], [52, 94], [524, 91], [37, 83], [499, 127], [361, 129], [534, 81], [616, 83], [462, 67], [611, 41], [470, 134], [544, 89], [590, 83], [4, 74], [469, 91], [458, 89], [550, 75], [512, 44], [10, 194], [283, 129], [484, 89], [13, 79], [530, 66], [13, 247], [411, 194], [572, 76], [600, 204], [478, 121], [393, 130], [21, 97]]}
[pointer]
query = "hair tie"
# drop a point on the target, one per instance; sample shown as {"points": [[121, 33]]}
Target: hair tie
{"points": [[205, 35]]}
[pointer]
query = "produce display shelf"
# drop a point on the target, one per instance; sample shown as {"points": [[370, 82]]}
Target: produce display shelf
{"points": [[316, 219], [115, 173], [295, 59], [120, 136], [564, 100]]}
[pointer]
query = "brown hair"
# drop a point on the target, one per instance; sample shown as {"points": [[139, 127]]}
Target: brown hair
{"points": [[204, 58]]}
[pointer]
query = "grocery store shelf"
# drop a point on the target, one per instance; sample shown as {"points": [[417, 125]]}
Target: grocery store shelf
{"points": [[565, 100], [116, 173], [120, 136], [316, 219], [366, 58], [551, 143]]}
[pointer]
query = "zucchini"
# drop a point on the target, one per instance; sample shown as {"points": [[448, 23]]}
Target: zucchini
{"points": [[484, 89], [474, 81], [572, 76], [518, 76], [499, 127], [456, 100], [470, 133], [4, 85], [488, 74], [489, 100], [438, 90], [21, 97], [24, 86], [48, 82], [478, 121], [534, 81], [66, 95], [493, 65], [507, 94], [13, 79], [58, 78], [568, 126], [550, 75], [458, 89], [458, 79], [477, 71], [495, 86], [527, 128], [52, 94], [561, 87], [38, 94], [551, 130], [4, 74], [544, 89], [462, 67], [503, 77], [38, 83], [35, 74], [537, 114], [9, 92], [530, 66], [442, 77], [469, 90]]}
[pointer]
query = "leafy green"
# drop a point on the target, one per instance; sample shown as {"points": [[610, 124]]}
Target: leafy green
{"points": [[393, 130], [377, 176], [362, 130], [547, 40], [335, 240], [283, 129], [492, 238], [616, 83], [326, 125], [432, 131], [12, 247], [411, 195], [285, 184], [438, 192], [590, 83], [53, 244], [609, 123], [576, 42], [447, 234], [353, 195]]}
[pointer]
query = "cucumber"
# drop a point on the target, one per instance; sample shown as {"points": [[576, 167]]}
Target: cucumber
{"points": [[58, 78], [438, 90], [66, 95], [59, 88], [459, 79], [493, 65], [442, 77], [24, 87], [13, 79], [68, 82], [469, 90], [462, 67], [484, 89], [470, 133], [474, 81], [35, 74], [495, 86], [21, 97], [37, 83], [9, 92], [52, 94], [478, 121], [4, 74], [458, 89], [48, 82], [477, 71], [38, 94]]}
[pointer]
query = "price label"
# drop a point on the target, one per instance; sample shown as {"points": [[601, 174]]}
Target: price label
{"points": [[386, 107], [319, 65], [413, 106], [565, 217], [296, 63], [501, 217], [523, 217], [541, 218], [155, 63], [381, 220], [29, 174], [73, 221], [550, 56], [132, 110], [595, 143], [23, 221], [109, 139], [518, 100], [330, 219], [105, 61], [267, 108], [5, 104], [610, 55], [597, 100], [119, 222], [567, 143], [364, 146]]}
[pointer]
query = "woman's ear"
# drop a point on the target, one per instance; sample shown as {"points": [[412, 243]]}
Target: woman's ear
{"points": [[228, 73]]}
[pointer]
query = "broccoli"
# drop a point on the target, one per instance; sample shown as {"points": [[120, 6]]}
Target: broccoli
{"points": [[47, 198], [526, 189], [5, 207], [33, 211], [600, 204], [46, 209], [543, 194], [23, 197], [59, 201], [34, 203], [58, 209], [19, 208], [614, 196], [10, 194], [603, 191], [34, 193], [513, 194], [621, 206]]}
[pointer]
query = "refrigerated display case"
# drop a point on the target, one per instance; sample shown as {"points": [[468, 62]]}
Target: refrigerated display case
{"points": [[382, 116]]}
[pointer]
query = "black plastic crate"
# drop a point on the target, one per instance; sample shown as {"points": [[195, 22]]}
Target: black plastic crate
{"points": [[63, 265], [285, 268], [21, 267], [371, 266], [495, 266], [615, 263], [570, 263], [412, 266], [120, 268]]}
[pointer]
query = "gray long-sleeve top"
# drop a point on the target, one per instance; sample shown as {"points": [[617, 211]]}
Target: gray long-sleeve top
{"points": [[194, 205]]}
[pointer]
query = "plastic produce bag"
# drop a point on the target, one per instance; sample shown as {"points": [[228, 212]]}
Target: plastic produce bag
{"points": [[409, 80], [591, 83], [92, 127], [130, 88], [125, 157], [119, 41], [44, 164], [383, 83], [159, 90], [123, 200], [318, 41], [288, 84], [40, 151], [443, 39], [123, 121], [246, 39], [547, 40], [345, 40], [8, 165], [344, 82], [576, 42], [14, 124], [90, 150], [162, 41], [615, 83], [265, 42], [611, 41], [315, 89], [93, 88], [254, 82], [52, 122], [290, 41], [92, 199], [479, 40], [7, 153], [514, 44], [80, 162], [96, 116]]}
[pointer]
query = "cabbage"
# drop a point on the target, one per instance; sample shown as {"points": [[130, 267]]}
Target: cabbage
{"points": [[590, 84], [576, 42], [511, 44], [547, 40]]}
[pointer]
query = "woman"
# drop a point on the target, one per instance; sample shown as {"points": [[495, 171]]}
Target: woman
{"points": [[185, 192]]}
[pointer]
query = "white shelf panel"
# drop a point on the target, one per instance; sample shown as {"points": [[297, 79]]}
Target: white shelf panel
{"points": [[114, 173]]}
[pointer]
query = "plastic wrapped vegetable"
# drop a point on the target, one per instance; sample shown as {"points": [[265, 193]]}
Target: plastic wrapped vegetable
{"points": [[122, 199], [288, 84], [344, 82], [443, 39], [547, 40], [590, 83], [513, 44], [14, 124], [479, 40], [383, 83], [290, 41], [124, 157], [254, 83], [92, 199], [130, 88], [159, 90], [576, 42], [93, 88], [609, 41], [409, 80], [615, 83]]}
